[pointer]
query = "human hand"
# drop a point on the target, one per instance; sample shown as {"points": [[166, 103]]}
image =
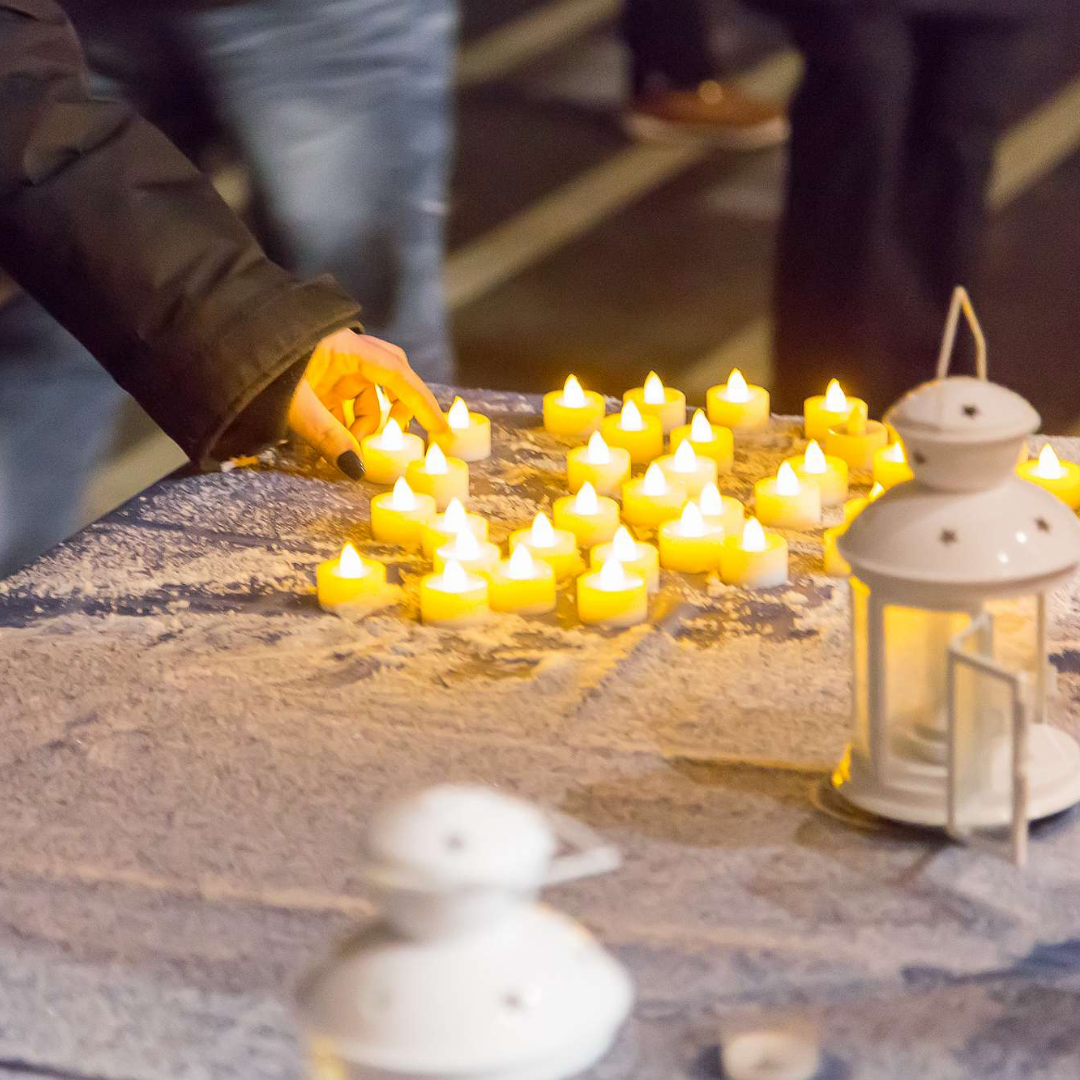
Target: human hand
{"points": [[347, 366]]}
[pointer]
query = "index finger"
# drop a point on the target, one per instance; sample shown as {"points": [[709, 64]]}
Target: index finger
{"points": [[413, 392]]}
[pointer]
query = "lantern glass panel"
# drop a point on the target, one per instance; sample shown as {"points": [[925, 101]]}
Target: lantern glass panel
{"points": [[860, 604], [916, 662]]}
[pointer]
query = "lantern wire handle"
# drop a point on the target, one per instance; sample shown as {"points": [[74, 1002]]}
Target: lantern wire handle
{"points": [[961, 302]]}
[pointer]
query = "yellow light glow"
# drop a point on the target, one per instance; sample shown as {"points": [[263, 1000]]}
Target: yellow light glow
{"points": [[586, 502], [612, 575], [458, 416], [465, 545], [692, 523], [895, 453], [403, 497], [598, 453], [1049, 466], [623, 546], [521, 566], [392, 438], [654, 483], [630, 418], [710, 502], [384, 405], [454, 578], [876, 492], [736, 389], [814, 459], [454, 519], [753, 536], [543, 532], [787, 483], [684, 459], [350, 565], [835, 398], [857, 419], [700, 428], [573, 397], [435, 462], [654, 390]]}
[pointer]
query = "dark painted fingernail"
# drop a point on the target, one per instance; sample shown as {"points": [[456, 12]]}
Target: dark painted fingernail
{"points": [[351, 465]]}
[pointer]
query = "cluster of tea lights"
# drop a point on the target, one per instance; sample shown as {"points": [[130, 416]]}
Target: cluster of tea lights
{"points": [[595, 535]]}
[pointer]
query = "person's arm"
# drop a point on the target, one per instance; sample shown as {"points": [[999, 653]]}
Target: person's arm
{"points": [[128, 245]]}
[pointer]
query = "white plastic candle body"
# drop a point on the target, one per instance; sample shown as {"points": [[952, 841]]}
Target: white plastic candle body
{"points": [[399, 516], [443, 478], [787, 503], [388, 454], [611, 597], [468, 434], [689, 468], [738, 405], [655, 399], [605, 467], [454, 597], [638, 557]]}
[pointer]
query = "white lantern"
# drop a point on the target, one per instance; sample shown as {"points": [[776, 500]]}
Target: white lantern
{"points": [[950, 574], [467, 976]]}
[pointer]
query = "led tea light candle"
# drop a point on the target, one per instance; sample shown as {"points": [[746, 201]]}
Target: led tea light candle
{"points": [[573, 412], [754, 558], [641, 436], [475, 556], [854, 507], [1060, 478], [689, 544], [721, 511], [605, 467], [638, 557], [688, 468], [348, 580], [891, 466], [858, 439], [655, 399], [592, 518], [829, 473], [785, 501], [468, 434], [399, 516], [439, 476], [557, 547], [442, 528], [652, 499], [708, 440], [738, 405], [388, 454], [612, 597], [835, 563], [522, 584], [454, 597], [828, 410]]}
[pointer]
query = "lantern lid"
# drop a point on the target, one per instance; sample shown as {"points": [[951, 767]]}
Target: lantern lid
{"points": [[962, 409], [996, 540], [452, 837]]}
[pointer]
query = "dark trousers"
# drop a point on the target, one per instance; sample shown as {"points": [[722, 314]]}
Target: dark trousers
{"points": [[893, 132], [668, 41]]}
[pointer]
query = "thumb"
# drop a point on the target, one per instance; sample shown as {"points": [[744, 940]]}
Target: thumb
{"points": [[313, 422]]}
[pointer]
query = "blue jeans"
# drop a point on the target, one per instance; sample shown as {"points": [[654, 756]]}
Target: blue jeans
{"points": [[57, 412], [342, 112]]}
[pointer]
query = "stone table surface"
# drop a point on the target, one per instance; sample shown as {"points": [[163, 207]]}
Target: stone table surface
{"points": [[190, 750]]}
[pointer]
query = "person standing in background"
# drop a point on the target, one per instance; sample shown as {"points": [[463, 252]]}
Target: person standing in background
{"points": [[340, 110], [894, 128], [675, 95]]}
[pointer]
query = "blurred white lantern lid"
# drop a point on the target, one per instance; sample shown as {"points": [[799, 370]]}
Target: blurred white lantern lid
{"points": [[514, 991], [458, 836], [963, 409], [1008, 540]]}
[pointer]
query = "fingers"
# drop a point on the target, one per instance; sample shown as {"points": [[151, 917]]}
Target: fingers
{"points": [[310, 419], [386, 364], [402, 414]]}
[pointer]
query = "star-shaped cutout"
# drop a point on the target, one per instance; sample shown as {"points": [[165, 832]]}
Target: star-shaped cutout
{"points": [[1042, 524], [948, 536], [455, 842], [971, 411]]}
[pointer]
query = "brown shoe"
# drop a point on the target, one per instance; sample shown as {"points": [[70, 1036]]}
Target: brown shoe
{"points": [[719, 114]]}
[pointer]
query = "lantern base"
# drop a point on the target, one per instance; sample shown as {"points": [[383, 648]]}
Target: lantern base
{"points": [[915, 790]]}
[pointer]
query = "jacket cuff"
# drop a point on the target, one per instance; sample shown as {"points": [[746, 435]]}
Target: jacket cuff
{"points": [[279, 342]]}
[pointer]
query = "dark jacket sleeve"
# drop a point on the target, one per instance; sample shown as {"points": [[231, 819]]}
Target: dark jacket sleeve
{"points": [[129, 246]]}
